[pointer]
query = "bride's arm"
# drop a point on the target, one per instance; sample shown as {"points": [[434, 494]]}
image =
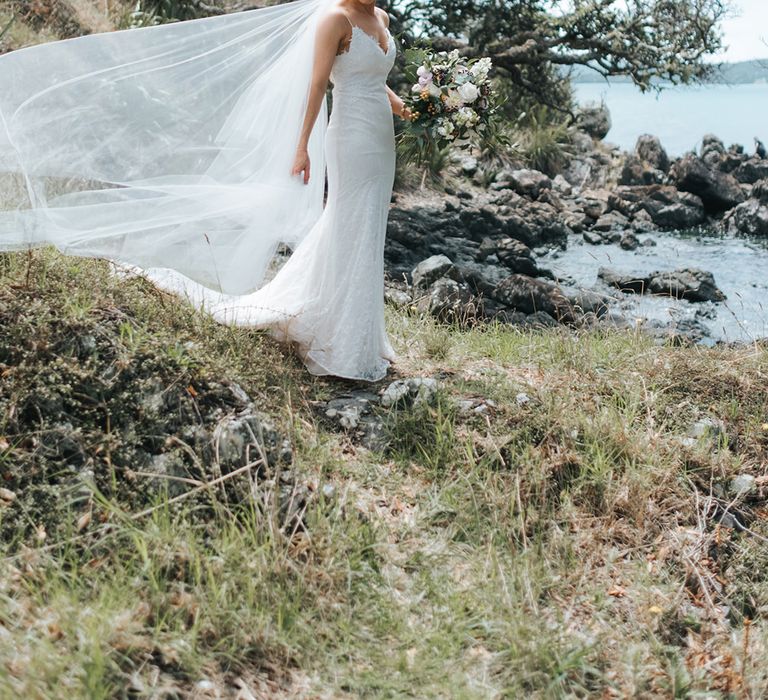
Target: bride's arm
{"points": [[330, 31], [398, 106]]}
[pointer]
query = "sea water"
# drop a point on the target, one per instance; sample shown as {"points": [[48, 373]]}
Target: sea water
{"points": [[680, 116]]}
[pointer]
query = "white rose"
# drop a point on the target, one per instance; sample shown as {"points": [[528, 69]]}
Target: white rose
{"points": [[453, 101], [468, 92]]}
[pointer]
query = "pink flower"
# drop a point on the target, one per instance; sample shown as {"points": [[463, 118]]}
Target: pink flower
{"points": [[425, 76]]}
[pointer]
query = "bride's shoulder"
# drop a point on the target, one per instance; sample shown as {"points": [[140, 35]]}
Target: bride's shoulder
{"points": [[336, 15], [383, 15], [334, 24]]}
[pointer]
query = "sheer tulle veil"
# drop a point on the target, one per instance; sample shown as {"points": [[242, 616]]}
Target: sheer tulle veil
{"points": [[167, 146]]}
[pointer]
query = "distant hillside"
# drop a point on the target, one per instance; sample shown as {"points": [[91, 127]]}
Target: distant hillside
{"points": [[741, 73]]}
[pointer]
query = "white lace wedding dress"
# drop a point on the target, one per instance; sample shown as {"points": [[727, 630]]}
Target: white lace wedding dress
{"points": [[328, 297]]}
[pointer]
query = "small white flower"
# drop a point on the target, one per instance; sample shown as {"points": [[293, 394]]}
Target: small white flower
{"points": [[466, 116], [453, 100], [445, 128], [468, 92], [480, 69]]}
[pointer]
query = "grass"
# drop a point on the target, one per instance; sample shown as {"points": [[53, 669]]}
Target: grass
{"points": [[566, 539], [544, 140]]}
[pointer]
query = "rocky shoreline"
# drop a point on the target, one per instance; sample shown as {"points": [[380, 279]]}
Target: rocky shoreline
{"points": [[474, 252]]}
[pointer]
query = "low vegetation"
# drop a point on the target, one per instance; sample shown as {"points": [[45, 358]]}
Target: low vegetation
{"points": [[574, 514]]}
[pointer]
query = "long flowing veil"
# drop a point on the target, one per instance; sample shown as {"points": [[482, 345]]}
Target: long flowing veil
{"points": [[167, 146]]}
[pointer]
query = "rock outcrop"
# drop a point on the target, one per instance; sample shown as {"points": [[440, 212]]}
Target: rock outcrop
{"points": [[688, 283], [718, 191], [594, 119]]}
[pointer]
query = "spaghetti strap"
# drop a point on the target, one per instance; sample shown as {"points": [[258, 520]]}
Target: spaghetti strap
{"points": [[348, 20]]}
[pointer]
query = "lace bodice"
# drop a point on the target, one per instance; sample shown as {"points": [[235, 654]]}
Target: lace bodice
{"points": [[364, 66]]}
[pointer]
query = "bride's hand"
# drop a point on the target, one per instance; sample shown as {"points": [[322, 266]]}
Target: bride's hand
{"points": [[406, 113], [301, 164]]}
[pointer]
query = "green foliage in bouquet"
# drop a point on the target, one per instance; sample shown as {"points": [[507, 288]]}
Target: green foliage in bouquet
{"points": [[453, 103]]}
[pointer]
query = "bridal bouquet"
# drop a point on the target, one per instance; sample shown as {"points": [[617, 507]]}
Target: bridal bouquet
{"points": [[451, 101]]}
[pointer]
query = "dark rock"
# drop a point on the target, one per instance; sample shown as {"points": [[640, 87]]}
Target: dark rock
{"points": [[468, 165], [611, 221], [710, 143], [648, 164], [356, 413], [760, 191], [579, 172], [690, 283], [678, 216], [417, 233], [589, 301], [561, 185], [636, 172], [752, 170], [663, 205], [749, 218], [684, 331], [718, 191], [594, 203], [576, 221], [516, 256], [642, 222], [730, 162], [482, 278], [529, 182], [594, 119], [623, 282], [431, 269], [582, 143], [632, 172], [448, 300], [538, 319], [593, 237], [649, 150], [530, 295], [629, 241]]}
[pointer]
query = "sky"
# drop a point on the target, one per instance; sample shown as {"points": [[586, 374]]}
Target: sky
{"points": [[745, 33]]}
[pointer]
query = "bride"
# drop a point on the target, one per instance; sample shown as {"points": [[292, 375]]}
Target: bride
{"points": [[190, 151]]}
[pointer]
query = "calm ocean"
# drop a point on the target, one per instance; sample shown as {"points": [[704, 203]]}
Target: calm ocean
{"points": [[681, 116]]}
